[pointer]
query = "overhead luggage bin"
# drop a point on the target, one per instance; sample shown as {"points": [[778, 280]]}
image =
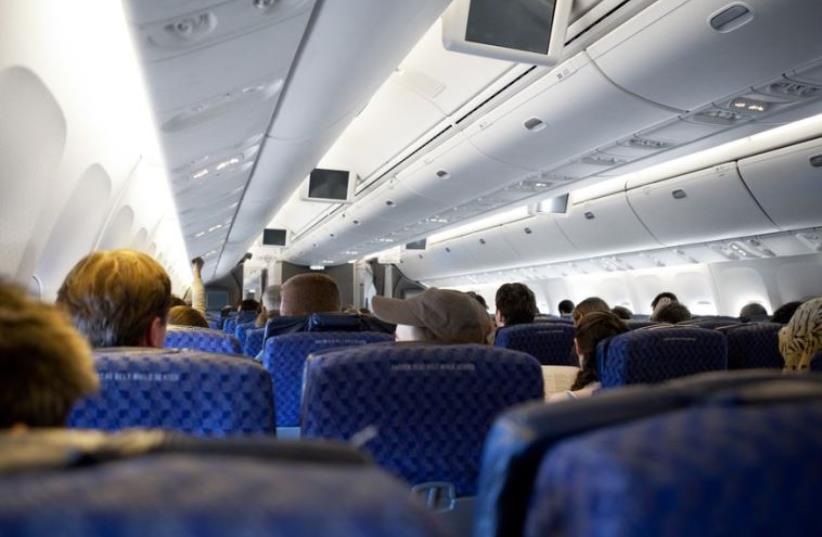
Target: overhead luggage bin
{"points": [[605, 226], [706, 205], [787, 183], [688, 53], [569, 112], [538, 240]]}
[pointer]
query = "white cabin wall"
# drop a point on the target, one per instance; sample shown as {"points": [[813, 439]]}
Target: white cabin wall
{"points": [[706, 289], [78, 153]]}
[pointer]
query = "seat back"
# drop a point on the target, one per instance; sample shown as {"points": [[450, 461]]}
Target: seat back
{"points": [[754, 345], [253, 341], [188, 391], [751, 469], [711, 322], [520, 438], [660, 353], [421, 410], [344, 322], [816, 362], [285, 357], [549, 342], [241, 330], [212, 490], [634, 324], [277, 326], [201, 339]]}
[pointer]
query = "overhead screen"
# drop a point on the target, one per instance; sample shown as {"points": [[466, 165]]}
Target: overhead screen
{"points": [[526, 31], [329, 186], [274, 237]]}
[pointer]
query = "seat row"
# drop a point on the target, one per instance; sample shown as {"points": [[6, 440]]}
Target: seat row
{"points": [[721, 453]]}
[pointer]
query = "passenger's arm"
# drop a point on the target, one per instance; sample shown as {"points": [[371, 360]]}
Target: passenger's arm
{"points": [[198, 299]]}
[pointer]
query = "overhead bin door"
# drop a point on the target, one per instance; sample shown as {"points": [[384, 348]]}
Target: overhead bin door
{"points": [[570, 111], [671, 54], [605, 226], [710, 204], [538, 240], [787, 183]]}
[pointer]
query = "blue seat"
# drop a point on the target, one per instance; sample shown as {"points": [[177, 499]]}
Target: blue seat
{"points": [[711, 322], [754, 345], [549, 342], [277, 326], [237, 318], [635, 324], [285, 357], [421, 410], [193, 392], [201, 339], [253, 341], [816, 362], [213, 494], [520, 438], [716, 470], [660, 353], [241, 330]]}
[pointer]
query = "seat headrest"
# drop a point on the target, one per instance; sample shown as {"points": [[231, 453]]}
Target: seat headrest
{"points": [[188, 391], [549, 342], [389, 397], [519, 439], [660, 353], [753, 345], [201, 339]]}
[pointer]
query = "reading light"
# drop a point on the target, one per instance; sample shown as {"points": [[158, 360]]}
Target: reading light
{"points": [[200, 174], [750, 105], [316, 267]]}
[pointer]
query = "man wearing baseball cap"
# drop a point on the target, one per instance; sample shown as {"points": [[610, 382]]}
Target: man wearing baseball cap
{"points": [[436, 316]]}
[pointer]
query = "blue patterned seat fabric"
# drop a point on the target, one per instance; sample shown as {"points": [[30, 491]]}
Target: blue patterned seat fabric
{"points": [[635, 324], [754, 345], [660, 353], [701, 471], [229, 324], [277, 326], [285, 357], [253, 341], [210, 496], [422, 411], [193, 392], [238, 318], [241, 330], [201, 339], [549, 342], [519, 439], [711, 322], [816, 362]]}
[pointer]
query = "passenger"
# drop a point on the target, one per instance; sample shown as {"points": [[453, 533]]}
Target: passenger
{"points": [[784, 313], [309, 293], [566, 308], [46, 364], [593, 328], [801, 338], [249, 304], [186, 316], [436, 316], [118, 298], [673, 313], [516, 304], [271, 305], [753, 312], [622, 312], [660, 301], [478, 297], [198, 295], [589, 305]]}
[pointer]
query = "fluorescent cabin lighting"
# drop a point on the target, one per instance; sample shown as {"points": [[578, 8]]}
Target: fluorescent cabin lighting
{"points": [[484, 223]]}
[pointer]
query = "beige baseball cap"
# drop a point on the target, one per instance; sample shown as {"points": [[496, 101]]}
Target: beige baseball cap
{"points": [[452, 316]]}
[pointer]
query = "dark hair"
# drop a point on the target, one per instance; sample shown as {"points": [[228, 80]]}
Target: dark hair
{"points": [[114, 296], [249, 304], [784, 313], [672, 313], [622, 312], [186, 316], [478, 298], [589, 305], [660, 296], [516, 303], [593, 328], [566, 307], [225, 311], [753, 312]]}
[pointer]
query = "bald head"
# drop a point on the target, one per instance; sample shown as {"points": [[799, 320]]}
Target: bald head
{"points": [[305, 294]]}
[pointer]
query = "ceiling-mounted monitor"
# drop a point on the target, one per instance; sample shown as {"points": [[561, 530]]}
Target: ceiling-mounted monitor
{"points": [[330, 186], [524, 31], [274, 237]]}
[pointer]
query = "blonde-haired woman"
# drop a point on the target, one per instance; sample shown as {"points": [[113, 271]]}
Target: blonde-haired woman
{"points": [[801, 338]]}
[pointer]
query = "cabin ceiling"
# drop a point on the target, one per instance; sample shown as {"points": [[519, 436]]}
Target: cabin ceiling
{"points": [[249, 96]]}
